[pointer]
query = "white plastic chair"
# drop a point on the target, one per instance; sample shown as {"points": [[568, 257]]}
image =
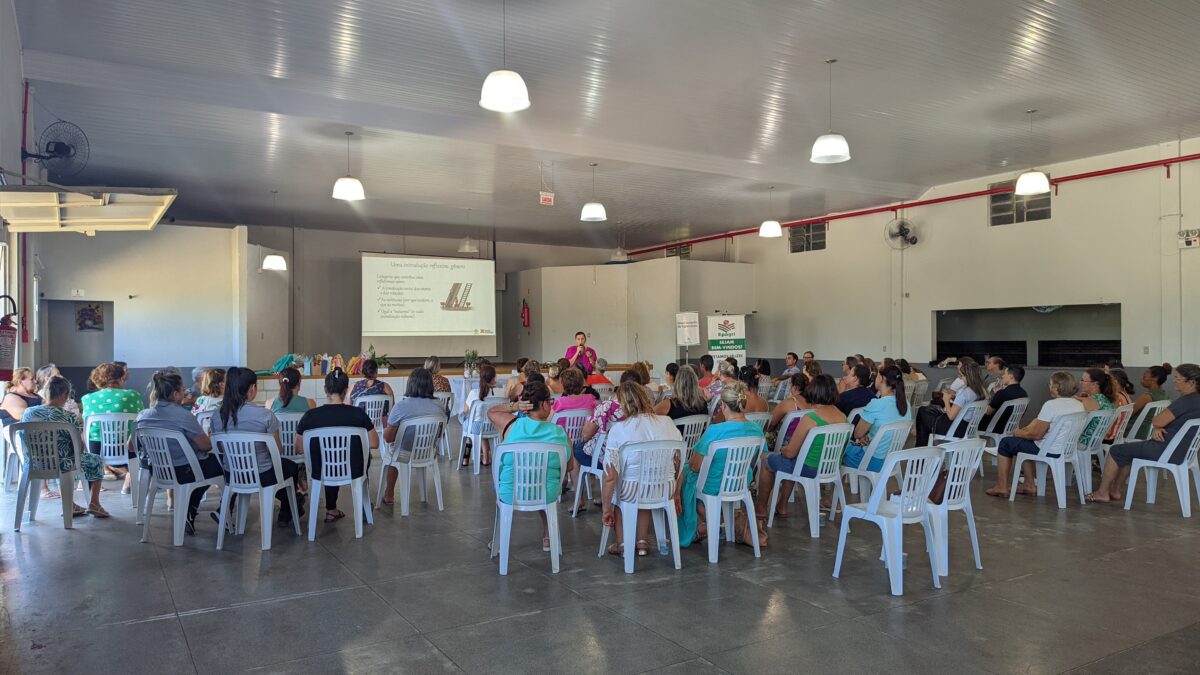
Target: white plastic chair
{"points": [[446, 398], [118, 434], [240, 459], [12, 460], [156, 443], [765, 388], [834, 438], [605, 391], [596, 470], [1179, 471], [759, 418], [995, 432], [1093, 447], [920, 470], [691, 428], [334, 444], [1065, 430], [919, 396], [960, 461], [740, 454], [376, 407], [36, 443], [287, 435], [422, 455], [780, 391], [1149, 412], [530, 466], [895, 434], [1123, 417], [477, 419], [967, 422], [654, 491], [572, 422]]}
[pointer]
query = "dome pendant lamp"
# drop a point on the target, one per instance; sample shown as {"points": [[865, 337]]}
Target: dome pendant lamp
{"points": [[830, 148], [468, 245], [593, 211], [504, 90], [348, 188], [1032, 182], [770, 229]]}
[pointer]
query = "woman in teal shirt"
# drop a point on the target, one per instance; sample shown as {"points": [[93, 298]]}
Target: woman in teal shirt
{"points": [[289, 399], [891, 406], [733, 401], [528, 421]]}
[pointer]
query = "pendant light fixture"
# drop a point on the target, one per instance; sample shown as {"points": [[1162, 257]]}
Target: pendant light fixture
{"points": [[274, 261], [593, 211], [468, 245], [504, 90], [348, 188], [1032, 182], [830, 148], [620, 255], [770, 228]]}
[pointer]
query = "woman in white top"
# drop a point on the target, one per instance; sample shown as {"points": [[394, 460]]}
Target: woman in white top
{"points": [[932, 419], [640, 424], [487, 383]]}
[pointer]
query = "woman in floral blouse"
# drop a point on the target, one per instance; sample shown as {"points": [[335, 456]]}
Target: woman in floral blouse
{"points": [[58, 392]]}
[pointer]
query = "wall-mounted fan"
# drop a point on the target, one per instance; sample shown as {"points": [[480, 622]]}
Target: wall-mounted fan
{"points": [[901, 234], [62, 149]]}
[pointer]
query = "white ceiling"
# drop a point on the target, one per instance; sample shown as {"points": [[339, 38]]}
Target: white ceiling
{"points": [[690, 108]]}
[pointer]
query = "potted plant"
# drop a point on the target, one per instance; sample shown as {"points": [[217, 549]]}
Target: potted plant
{"points": [[469, 361]]}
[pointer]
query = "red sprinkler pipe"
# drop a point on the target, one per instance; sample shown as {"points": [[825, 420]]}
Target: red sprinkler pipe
{"points": [[935, 200]]}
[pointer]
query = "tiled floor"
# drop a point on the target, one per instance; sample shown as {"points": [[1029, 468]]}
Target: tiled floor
{"points": [[1092, 588]]}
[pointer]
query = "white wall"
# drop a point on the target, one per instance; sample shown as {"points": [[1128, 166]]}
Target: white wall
{"points": [[175, 290], [652, 301], [590, 298], [327, 276], [11, 83], [268, 310], [1110, 240], [68, 347]]}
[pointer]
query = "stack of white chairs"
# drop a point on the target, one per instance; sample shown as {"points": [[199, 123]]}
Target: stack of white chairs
{"points": [[653, 491], [1064, 431], [740, 454], [920, 468], [960, 461], [240, 459], [1184, 473], [157, 444], [965, 425], [36, 443], [529, 465], [1011, 413], [477, 428], [118, 434], [335, 444], [1093, 446], [376, 407], [422, 455], [833, 439], [894, 435]]}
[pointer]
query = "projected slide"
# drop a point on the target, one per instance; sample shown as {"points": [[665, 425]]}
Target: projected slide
{"points": [[406, 295]]}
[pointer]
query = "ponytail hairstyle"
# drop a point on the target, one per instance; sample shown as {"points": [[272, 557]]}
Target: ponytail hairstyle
{"points": [[895, 381], [905, 366], [862, 375], [487, 380], [336, 383], [1103, 381], [749, 377], [1160, 373], [1121, 381], [289, 381], [799, 382], [163, 386], [370, 369], [536, 394], [238, 381]]}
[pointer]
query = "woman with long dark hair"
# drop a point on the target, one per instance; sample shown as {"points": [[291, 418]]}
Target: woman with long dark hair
{"points": [[891, 406], [418, 401], [933, 419], [289, 399], [487, 384], [238, 414], [336, 413]]}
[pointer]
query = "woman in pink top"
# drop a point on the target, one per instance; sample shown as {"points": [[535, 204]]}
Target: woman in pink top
{"points": [[580, 355], [573, 397]]}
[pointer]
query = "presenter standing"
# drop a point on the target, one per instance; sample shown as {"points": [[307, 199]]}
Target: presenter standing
{"points": [[580, 355]]}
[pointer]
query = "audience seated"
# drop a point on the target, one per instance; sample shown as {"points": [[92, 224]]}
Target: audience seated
{"points": [[642, 369], [599, 376], [891, 406], [434, 365], [43, 376], [1165, 426], [691, 521], [56, 393], [1096, 393], [669, 374], [821, 395], [934, 419], [418, 401], [237, 414], [336, 413], [212, 388], [21, 394], [791, 366], [604, 415], [1010, 389], [640, 423], [553, 377], [848, 379], [812, 369], [748, 375], [686, 396], [167, 413], [1153, 379], [110, 397], [995, 370], [533, 426], [573, 397], [513, 391], [911, 374], [706, 371], [370, 385], [487, 383], [795, 400], [1032, 436], [289, 399], [858, 392], [726, 375]]}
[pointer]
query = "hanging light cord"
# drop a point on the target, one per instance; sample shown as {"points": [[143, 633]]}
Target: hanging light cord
{"points": [[1031, 112], [504, 32], [348, 135], [831, 62], [593, 181], [771, 202]]}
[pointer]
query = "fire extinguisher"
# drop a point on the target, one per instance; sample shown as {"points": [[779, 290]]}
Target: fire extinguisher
{"points": [[8, 340], [524, 314]]}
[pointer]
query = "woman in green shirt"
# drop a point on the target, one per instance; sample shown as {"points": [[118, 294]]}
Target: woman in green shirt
{"points": [[110, 397], [289, 399]]}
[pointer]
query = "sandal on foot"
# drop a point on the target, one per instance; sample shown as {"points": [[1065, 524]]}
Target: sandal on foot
{"points": [[79, 511], [333, 515], [616, 549], [97, 512], [641, 547], [545, 544]]}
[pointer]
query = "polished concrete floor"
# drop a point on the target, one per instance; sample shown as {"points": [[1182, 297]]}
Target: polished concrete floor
{"points": [[1089, 589]]}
